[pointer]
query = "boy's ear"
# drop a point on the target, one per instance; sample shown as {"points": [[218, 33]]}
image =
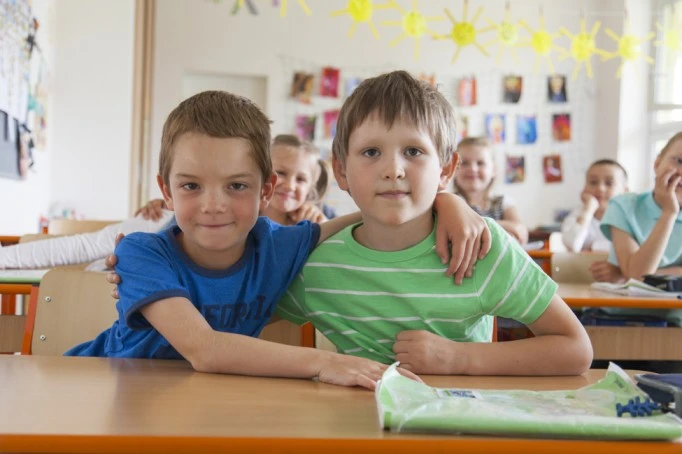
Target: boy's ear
{"points": [[165, 190], [340, 174], [267, 191], [448, 171]]}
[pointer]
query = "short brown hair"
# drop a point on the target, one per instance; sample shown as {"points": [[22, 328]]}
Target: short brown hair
{"points": [[473, 142], [391, 96], [222, 115], [670, 143], [320, 174], [609, 162]]}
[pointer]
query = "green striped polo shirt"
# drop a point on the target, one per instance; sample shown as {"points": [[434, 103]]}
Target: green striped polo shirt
{"points": [[362, 298]]}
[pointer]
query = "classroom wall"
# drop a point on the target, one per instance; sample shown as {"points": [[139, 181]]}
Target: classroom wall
{"points": [[203, 37], [22, 201]]}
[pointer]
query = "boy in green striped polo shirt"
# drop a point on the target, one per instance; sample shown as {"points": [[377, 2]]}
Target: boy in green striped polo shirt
{"points": [[378, 290]]}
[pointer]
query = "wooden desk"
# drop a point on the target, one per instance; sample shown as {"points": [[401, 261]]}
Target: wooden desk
{"points": [[8, 240], [626, 342], [58, 404]]}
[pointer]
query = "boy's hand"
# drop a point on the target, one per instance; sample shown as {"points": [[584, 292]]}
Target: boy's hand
{"points": [[346, 370], [424, 352], [112, 277], [603, 271], [152, 210], [308, 211], [590, 203], [463, 232], [665, 194]]}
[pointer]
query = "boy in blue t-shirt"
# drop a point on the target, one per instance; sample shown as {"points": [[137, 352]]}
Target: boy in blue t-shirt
{"points": [[203, 289]]}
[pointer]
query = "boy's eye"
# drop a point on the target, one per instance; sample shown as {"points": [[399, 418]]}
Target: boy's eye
{"points": [[413, 152], [301, 180], [371, 153], [237, 186], [279, 173], [190, 186]]}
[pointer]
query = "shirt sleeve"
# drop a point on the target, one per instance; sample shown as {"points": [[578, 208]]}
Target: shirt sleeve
{"points": [[507, 202], [293, 245], [148, 274], [290, 306], [73, 249], [573, 234], [510, 284], [615, 216]]}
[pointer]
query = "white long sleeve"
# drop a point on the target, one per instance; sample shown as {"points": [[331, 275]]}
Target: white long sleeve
{"points": [[578, 237], [73, 249]]}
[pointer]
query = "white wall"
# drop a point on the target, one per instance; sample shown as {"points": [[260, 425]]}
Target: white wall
{"points": [[23, 201], [204, 37], [91, 115]]}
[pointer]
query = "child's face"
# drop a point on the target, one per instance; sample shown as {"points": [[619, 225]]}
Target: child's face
{"points": [[476, 169], [295, 173], [556, 84], [392, 174], [605, 181], [671, 160], [216, 189]]}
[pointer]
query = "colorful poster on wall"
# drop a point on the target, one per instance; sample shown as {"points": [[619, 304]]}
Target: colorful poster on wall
{"points": [[302, 87], [329, 82], [305, 126], [466, 92], [556, 88], [526, 129], [551, 168], [330, 119], [351, 84], [495, 127], [561, 127], [515, 170], [512, 88]]}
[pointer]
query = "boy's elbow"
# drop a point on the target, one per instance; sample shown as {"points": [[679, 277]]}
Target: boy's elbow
{"points": [[581, 356]]}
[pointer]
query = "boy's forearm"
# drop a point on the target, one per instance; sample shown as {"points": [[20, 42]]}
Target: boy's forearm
{"points": [[243, 355], [337, 224], [673, 270], [647, 259], [543, 355]]}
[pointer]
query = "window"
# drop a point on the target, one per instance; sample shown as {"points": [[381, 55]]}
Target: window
{"points": [[665, 99]]}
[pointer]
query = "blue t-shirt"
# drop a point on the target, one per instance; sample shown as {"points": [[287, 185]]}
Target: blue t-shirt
{"points": [[636, 215], [239, 299]]}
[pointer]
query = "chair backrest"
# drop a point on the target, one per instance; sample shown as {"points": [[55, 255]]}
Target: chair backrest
{"points": [[71, 226], [574, 267], [73, 306], [35, 237]]}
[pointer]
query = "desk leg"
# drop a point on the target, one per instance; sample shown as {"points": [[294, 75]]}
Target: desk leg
{"points": [[30, 321], [9, 305], [308, 335]]}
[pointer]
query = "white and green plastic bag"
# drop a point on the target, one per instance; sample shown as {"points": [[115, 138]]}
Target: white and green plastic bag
{"points": [[589, 412]]}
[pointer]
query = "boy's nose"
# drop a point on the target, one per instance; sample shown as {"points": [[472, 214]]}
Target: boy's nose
{"points": [[214, 203], [394, 169]]}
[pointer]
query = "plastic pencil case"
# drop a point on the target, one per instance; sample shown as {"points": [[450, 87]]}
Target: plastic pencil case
{"points": [[665, 389]]}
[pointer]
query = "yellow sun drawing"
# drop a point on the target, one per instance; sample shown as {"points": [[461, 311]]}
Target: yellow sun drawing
{"points": [[283, 8], [583, 47], [507, 36], [672, 38], [361, 11], [464, 33], [414, 25], [542, 43], [628, 47]]}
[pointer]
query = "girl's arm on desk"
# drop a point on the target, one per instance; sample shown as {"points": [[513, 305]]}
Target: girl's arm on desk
{"points": [[213, 351]]}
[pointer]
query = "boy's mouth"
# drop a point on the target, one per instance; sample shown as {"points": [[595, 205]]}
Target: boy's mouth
{"points": [[393, 194]]}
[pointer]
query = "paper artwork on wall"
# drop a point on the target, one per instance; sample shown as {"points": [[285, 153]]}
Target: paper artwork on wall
{"points": [[495, 127], [561, 127], [351, 84], [526, 129], [330, 119], [551, 168], [515, 170], [462, 126], [302, 87], [466, 92], [305, 126], [556, 88], [329, 82], [512, 88]]}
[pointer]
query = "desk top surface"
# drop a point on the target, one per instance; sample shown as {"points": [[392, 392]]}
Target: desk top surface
{"points": [[108, 405], [582, 295], [21, 276]]}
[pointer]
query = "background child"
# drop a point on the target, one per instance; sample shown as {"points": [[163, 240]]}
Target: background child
{"points": [[203, 290], [376, 290], [301, 178], [580, 229], [474, 181]]}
